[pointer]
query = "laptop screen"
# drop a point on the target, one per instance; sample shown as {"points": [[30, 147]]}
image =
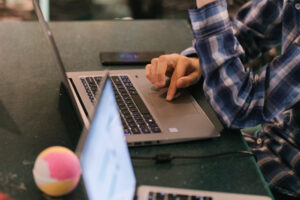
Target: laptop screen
{"points": [[106, 167]]}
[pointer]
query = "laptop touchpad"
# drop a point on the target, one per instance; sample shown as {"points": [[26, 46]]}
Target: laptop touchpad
{"points": [[181, 104]]}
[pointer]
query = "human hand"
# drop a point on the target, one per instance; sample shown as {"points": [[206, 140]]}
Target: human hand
{"points": [[184, 71], [201, 3]]}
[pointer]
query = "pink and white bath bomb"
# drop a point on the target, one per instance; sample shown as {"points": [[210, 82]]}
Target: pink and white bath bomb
{"points": [[56, 171]]}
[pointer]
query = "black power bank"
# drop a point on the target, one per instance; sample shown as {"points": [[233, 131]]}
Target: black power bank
{"points": [[128, 58]]}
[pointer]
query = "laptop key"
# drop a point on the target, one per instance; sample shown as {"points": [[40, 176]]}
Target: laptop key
{"points": [[140, 122], [145, 129], [196, 198], [126, 131], [98, 79], [126, 97], [132, 125], [140, 104], [160, 196], [150, 196], [94, 89], [130, 106], [155, 129], [128, 84], [90, 81], [126, 116], [121, 88], [116, 80], [172, 197], [125, 79], [135, 130], [132, 92], [128, 101], [182, 197], [149, 120], [130, 120], [131, 89]]}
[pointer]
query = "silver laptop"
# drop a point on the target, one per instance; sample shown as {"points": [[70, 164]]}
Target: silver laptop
{"points": [[146, 116], [107, 170]]}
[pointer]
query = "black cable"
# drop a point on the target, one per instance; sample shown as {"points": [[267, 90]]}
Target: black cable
{"points": [[167, 157], [288, 194]]}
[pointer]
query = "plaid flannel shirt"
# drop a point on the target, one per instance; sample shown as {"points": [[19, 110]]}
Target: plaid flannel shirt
{"points": [[242, 98]]}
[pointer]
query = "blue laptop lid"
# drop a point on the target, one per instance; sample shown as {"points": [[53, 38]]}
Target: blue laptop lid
{"points": [[106, 166]]}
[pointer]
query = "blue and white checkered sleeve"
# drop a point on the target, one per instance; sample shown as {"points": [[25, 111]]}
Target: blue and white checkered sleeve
{"points": [[239, 97], [190, 51], [254, 26]]}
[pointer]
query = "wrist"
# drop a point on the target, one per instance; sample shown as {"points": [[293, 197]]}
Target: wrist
{"points": [[201, 3]]}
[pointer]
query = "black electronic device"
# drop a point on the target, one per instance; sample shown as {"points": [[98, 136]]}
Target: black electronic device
{"points": [[128, 58]]}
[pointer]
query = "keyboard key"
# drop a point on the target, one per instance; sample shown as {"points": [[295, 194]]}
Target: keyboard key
{"points": [[126, 131], [196, 198], [150, 196], [135, 130], [145, 129], [132, 125], [141, 122], [155, 129], [116, 80], [160, 196], [126, 97], [182, 197], [140, 104], [171, 196], [127, 116], [94, 89], [150, 120], [130, 106], [128, 101], [98, 79], [130, 120], [125, 79], [121, 88], [90, 81], [132, 92], [131, 89], [128, 85], [136, 115]]}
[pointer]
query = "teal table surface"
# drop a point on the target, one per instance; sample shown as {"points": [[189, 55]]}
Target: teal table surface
{"points": [[33, 116]]}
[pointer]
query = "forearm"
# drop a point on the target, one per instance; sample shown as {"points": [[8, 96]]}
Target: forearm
{"points": [[201, 3], [239, 97], [254, 26]]}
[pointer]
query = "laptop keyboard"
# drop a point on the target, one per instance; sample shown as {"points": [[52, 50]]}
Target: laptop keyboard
{"points": [[166, 196], [136, 118]]}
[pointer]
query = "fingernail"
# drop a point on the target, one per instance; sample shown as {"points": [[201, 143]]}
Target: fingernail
{"points": [[169, 97]]}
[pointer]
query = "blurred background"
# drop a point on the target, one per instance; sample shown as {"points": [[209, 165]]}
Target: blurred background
{"points": [[61, 10], [68, 10], [17, 10]]}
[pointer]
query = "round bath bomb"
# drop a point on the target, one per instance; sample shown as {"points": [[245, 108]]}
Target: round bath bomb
{"points": [[56, 171], [3, 196]]}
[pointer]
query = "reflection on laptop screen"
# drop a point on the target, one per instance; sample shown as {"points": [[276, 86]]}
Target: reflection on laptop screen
{"points": [[105, 161]]}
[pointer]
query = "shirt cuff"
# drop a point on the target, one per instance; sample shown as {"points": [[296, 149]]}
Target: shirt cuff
{"points": [[189, 52], [210, 19]]}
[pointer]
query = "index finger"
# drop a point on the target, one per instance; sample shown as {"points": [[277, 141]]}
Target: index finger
{"points": [[179, 72]]}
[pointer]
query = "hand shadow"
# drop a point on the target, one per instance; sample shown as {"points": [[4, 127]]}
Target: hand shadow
{"points": [[163, 91]]}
